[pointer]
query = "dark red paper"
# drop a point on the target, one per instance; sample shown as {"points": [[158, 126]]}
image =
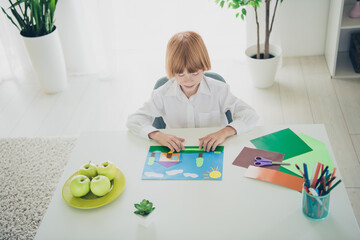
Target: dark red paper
{"points": [[247, 155]]}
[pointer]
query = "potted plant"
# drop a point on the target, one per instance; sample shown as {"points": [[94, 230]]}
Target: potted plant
{"points": [[263, 56], [35, 21], [143, 210]]}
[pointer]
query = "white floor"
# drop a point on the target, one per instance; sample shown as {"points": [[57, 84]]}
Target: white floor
{"points": [[303, 93]]}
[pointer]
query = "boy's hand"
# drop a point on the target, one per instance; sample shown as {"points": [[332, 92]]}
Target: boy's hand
{"points": [[211, 141], [170, 141]]}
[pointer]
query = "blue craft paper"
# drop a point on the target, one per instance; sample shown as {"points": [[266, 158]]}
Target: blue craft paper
{"points": [[186, 169]]}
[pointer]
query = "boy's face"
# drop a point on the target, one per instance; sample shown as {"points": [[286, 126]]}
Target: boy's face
{"points": [[189, 82]]}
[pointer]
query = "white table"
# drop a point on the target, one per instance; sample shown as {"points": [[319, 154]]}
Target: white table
{"points": [[234, 208]]}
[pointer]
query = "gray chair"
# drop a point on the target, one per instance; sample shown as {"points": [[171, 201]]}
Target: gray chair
{"points": [[159, 121]]}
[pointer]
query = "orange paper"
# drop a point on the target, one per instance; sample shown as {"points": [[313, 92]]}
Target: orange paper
{"points": [[274, 176]]}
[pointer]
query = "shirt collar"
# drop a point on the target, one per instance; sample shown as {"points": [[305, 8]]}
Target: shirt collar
{"points": [[204, 87], [175, 89]]}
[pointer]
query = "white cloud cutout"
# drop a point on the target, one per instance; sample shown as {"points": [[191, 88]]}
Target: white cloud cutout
{"points": [[153, 174], [192, 175], [174, 172]]}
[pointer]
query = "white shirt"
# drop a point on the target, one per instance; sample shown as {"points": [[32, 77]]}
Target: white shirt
{"points": [[206, 108]]}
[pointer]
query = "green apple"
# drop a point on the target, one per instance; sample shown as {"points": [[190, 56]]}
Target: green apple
{"points": [[88, 170], [100, 185], [107, 169], [79, 185]]}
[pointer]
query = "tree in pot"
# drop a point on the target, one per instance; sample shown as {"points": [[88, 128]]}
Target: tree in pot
{"points": [[265, 54], [236, 4], [35, 21]]}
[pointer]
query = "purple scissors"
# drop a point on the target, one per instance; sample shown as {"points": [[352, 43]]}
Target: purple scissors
{"points": [[261, 162]]}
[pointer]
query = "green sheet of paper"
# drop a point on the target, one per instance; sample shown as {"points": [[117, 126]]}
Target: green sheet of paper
{"points": [[319, 154], [284, 141]]}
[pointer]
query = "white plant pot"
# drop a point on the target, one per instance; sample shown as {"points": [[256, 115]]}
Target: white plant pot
{"points": [[146, 221], [48, 61], [263, 71]]}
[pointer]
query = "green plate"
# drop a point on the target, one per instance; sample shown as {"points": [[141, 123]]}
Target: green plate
{"points": [[90, 200]]}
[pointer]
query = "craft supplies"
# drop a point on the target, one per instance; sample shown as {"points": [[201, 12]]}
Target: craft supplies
{"points": [[261, 162], [316, 191], [314, 206]]}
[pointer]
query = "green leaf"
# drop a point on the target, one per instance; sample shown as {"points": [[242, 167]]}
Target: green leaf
{"points": [[32, 13], [52, 7], [243, 11], [26, 17], [17, 3], [237, 15], [242, 16], [37, 14], [138, 206], [144, 208], [10, 19], [235, 6], [47, 22], [144, 202], [222, 4], [18, 18]]}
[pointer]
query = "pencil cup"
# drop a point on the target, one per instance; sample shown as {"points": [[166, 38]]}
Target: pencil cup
{"points": [[315, 207]]}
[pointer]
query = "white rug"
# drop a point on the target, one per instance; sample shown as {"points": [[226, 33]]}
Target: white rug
{"points": [[30, 169]]}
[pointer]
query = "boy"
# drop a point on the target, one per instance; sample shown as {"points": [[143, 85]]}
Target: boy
{"points": [[191, 100]]}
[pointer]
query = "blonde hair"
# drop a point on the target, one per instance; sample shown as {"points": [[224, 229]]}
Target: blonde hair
{"points": [[186, 50]]}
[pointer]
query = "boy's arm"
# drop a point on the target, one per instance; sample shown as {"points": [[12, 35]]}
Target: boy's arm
{"points": [[244, 117], [173, 142], [140, 122]]}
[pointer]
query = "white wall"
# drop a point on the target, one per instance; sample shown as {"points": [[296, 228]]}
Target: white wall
{"points": [[299, 28]]}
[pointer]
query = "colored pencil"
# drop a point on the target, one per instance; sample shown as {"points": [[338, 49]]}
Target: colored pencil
{"points": [[307, 183], [302, 174], [313, 173], [332, 175], [329, 181], [328, 191], [314, 180], [323, 186], [327, 174], [321, 176]]}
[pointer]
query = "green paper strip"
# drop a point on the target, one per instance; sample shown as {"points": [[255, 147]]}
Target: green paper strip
{"points": [[188, 149]]}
